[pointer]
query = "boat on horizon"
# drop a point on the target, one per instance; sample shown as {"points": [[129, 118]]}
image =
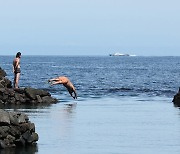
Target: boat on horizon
{"points": [[120, 54]]}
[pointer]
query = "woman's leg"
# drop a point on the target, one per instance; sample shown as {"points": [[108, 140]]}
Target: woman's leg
{"points": [[14, 82], [17, 80]]}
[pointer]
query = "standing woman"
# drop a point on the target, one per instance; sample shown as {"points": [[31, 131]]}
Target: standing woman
{"points": [[16, 69]]}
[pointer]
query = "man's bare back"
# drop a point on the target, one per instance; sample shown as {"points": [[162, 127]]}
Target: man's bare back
{"points": [[66, 82]]}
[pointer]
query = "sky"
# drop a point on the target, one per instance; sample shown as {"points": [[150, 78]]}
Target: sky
{"points": [[90, 27]]}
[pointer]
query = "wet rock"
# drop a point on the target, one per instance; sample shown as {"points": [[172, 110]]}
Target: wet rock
{"points": [[19, 96], [13, 119], [18, 131], [1, 102], [22, 118], [4, 118], [48, 100], [27, 126], [4, 131], [12, 100], [25, 96], [32, 93], [20, 141], [8, 83], [15, 131], [10, 138], [39, 99], [1, 85], [33, 137], [26, 135], [5, 83], [176, 99], [2, 73]]}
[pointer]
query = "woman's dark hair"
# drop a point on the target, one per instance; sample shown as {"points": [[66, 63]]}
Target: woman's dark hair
{"points": [[18, 54]]}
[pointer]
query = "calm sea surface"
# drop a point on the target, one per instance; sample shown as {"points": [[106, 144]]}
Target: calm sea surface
{"points": [[123, 107]]}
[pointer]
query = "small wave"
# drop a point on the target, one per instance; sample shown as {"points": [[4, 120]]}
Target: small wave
{"points": [[126, 91], [119, 89], [42, 62], [144, 90]]}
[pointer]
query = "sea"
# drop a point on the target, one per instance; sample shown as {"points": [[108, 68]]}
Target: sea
{"points": [[124, 104]]}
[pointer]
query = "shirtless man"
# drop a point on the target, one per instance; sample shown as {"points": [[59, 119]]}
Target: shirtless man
{"points": [[66, 82], [16, 69]]}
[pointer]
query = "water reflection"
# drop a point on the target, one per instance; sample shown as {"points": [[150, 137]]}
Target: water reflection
{"points": [[24, 106], [21, 150], [70, 107], [64, 119]]}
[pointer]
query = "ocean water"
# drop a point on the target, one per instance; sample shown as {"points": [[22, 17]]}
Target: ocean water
{"points": [[124, 104]]}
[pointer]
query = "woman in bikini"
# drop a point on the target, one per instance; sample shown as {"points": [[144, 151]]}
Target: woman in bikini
{"points": [[16, 69]]}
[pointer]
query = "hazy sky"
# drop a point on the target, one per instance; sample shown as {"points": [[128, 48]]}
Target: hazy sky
{"points": [[90, 27]]}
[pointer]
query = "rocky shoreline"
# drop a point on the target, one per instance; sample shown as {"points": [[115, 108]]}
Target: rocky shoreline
{"points": [[9, 95], [25, 96], [176, 99], [15, 128]]}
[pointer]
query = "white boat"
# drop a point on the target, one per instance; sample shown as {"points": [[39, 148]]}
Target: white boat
{"points": [[118, 54]]}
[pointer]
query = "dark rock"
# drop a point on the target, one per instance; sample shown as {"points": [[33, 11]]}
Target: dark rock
{"points": [[5, 97], [33, 102], [14, 119], [19, 90], [39, 99], [15, 131], [12, 100], [20, 131], [26, 135], [22, 100], [31, 127], [2, 144], [176, 99], [2, 73], [18, 103], [6, 143], [33, 137], [4, 118], [20, 141], [8, 83], [11, 92], [11, 138], [22, 118], [4, 131], [19, 96], [5, 83], [2, 90], [1, 85], [48, 100], [25, 96], [1, 102], [31, 92], [24, 127]]}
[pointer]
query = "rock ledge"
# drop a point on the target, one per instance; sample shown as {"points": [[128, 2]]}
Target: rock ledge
{"points": [[9, 95], [16, 130]]}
